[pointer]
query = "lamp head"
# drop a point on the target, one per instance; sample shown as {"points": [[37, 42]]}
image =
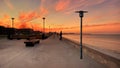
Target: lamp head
{"points": [[43, 17], [81, 13], [12, 18]]}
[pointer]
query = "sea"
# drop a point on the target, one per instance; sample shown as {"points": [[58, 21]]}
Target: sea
{"points": [[104, 42]]}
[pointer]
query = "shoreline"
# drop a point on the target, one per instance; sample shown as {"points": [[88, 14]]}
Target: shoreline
{"points": [[99, 56]]}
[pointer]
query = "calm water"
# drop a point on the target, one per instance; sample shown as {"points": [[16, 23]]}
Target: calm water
{"points": [[106, 42]]}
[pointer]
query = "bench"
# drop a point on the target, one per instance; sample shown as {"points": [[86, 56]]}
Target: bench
{"points": [[31, 42]]}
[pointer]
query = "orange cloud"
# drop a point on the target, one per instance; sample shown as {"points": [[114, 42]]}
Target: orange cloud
{"points": [[9, 4], [37, 27], [31, 25], [5, 21], [24, 18], [63, 28], [27, 16], [102, 28], [109, 28], [24, 25], [31, 15], [62, 4]]}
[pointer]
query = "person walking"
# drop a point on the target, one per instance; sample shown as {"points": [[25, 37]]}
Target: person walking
{"points": [[60, 35]]}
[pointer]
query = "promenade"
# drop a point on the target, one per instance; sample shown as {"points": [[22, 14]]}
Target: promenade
{"points": [[49, 53]]}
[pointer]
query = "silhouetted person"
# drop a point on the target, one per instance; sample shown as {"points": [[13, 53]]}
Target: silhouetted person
{"points": [[60, 35], [43, 36]]}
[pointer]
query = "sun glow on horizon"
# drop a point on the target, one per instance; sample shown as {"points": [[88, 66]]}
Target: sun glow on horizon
{"points": [[102, 17]]}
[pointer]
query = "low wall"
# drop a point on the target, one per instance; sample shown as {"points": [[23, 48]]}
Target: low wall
{"points": [[107, 60]]}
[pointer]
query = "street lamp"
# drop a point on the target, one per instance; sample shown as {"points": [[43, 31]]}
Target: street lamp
{"points": [[81, 14], [49, 29], [12, 22], [43, 24]]}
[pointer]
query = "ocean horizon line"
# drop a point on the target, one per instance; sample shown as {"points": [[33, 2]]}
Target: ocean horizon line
{"points": [[91, 34]]}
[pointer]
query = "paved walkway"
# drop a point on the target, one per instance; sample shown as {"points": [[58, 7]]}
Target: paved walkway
{"points": [[50, 53]]}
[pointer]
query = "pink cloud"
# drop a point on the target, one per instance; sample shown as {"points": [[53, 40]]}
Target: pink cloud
{"points": [[43, 11], [82, 4], [9, 4], [62, 5]]}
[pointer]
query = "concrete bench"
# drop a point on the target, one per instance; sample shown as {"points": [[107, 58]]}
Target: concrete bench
{"points": [[32, 42]]}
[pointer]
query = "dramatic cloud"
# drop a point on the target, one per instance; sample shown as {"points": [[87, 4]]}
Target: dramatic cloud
{"points": [[9, 4], [24, 25], [26, 17], [28, 12], [62, 5], [5, 20]]}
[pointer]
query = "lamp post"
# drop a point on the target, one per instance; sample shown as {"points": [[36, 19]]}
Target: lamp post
{"points": [[43, 35], [12, 22], [43, 24], [81, 14], [49, 29]]}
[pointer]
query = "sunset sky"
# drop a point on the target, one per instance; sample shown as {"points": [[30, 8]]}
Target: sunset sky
{"points": [[103, 15]]}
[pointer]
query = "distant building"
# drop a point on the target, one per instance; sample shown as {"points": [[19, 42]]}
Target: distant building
{"points": [[12, 31], [24, 31], [6, 31], [2, 30]]}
